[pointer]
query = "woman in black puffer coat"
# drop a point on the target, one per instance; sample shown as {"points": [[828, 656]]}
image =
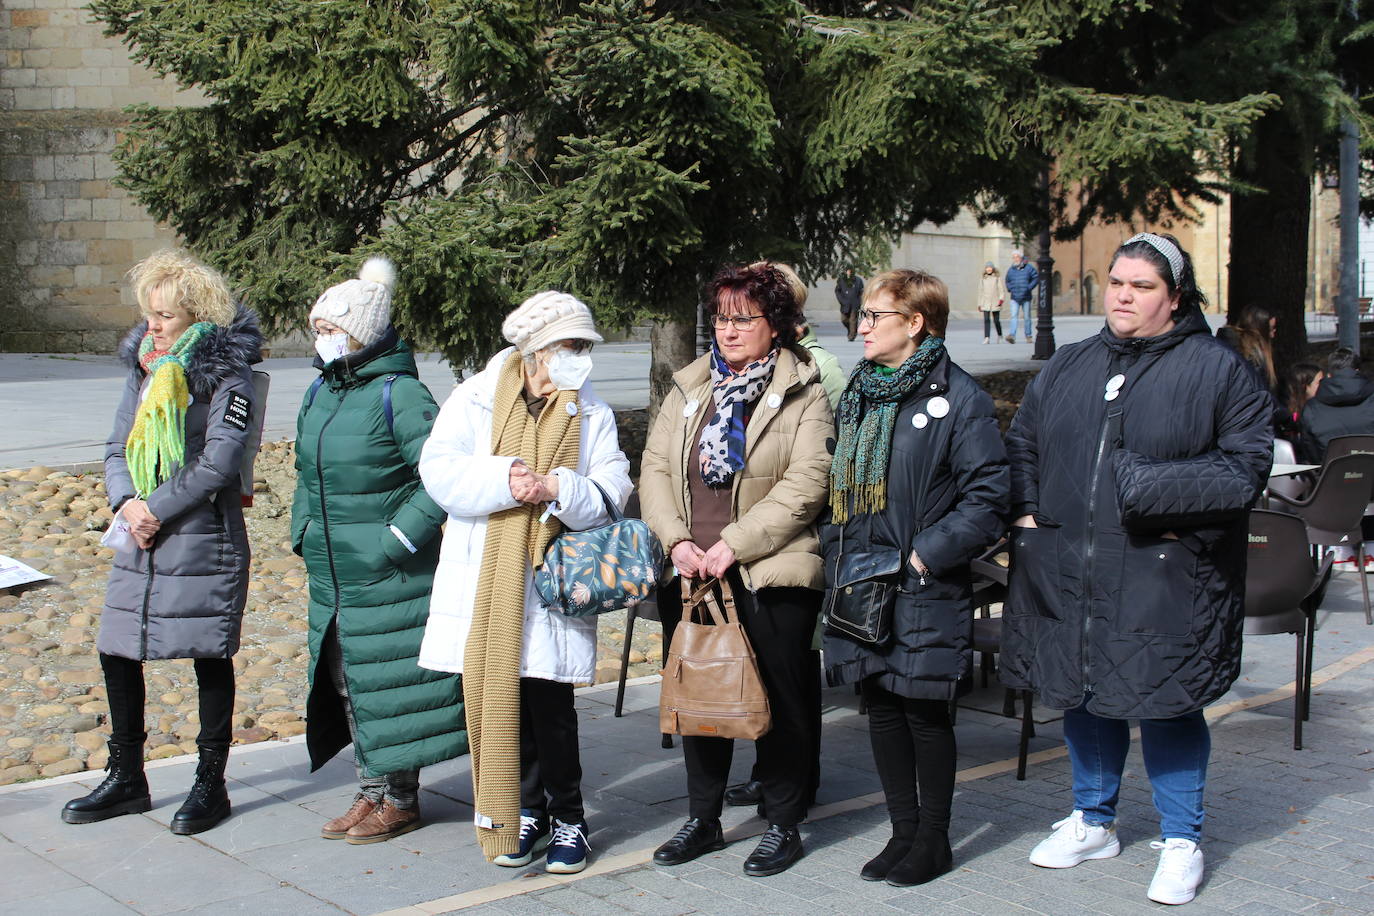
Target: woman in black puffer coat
{"points": [[1136, 456], [920, 485]]}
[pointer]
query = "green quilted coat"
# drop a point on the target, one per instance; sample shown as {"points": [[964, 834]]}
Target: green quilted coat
{"points": [[354, 479]]}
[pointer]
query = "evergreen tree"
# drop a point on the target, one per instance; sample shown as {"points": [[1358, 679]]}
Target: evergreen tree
{"points": [[617, 149]]}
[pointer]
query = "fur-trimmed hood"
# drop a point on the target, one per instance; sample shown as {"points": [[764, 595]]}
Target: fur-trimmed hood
{"points": [[224, 352]]}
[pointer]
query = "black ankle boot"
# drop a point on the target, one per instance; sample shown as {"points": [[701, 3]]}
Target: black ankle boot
{"points": [[929, 858], [124, 791], [208, 801], [903, 836]]}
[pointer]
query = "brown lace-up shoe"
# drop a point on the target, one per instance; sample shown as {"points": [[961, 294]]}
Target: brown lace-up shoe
{"points": [[385, 821], [338, 828]]}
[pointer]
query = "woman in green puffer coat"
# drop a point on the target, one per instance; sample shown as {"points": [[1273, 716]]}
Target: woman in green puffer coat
{"points": [[367, 530]]}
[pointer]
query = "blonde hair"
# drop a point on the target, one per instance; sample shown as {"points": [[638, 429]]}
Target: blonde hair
{"points": [[914, 292], [185, 283]]}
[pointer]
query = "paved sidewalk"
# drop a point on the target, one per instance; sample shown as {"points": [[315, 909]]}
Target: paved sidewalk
{"points": [[1288, 831]]}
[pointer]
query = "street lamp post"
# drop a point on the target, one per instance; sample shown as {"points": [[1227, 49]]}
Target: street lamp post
{"points": [[1044, 302]]}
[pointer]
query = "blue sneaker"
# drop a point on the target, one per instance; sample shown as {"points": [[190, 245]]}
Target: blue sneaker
{"points": [[534, 836], [568, 851]]}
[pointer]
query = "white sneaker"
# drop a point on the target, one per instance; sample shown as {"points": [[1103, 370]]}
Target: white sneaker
{"points": [[1074, 841], [1179, 872]]}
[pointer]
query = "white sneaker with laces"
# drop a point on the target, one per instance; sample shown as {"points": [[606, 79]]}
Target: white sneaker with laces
{"points": [[1179, 872], [1073, 841]]}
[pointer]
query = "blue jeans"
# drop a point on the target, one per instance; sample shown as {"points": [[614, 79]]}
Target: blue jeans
{"points": [[1023, 309], [1175, 752]]}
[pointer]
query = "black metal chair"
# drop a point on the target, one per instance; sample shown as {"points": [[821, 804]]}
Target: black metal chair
{"points": [[989, 588], [645, 610], [1335, 508], [1283, 590], [1340, 446]]}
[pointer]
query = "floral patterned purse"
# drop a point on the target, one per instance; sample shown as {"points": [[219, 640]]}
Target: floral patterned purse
{"points": [[609, 568]]}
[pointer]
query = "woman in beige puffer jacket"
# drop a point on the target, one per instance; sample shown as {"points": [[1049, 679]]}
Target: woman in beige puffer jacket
{"points": [[735, 471]]}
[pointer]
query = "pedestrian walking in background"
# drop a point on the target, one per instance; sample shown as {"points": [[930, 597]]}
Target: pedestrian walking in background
{"points": [[369, 536], [992, 292], [920, 478], [1136, 456], [734, 475], [520, 452], [849, 292], [1021, 280], [172, 474]]}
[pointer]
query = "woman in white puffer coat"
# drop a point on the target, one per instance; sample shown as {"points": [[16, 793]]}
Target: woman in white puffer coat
{"points": [[498, 500]]}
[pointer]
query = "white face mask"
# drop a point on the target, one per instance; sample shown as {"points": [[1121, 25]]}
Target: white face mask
{"points": [[568, 370], [331, 346]]}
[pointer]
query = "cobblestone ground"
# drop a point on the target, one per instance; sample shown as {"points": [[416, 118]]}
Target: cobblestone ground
{"points": [[53, 714]]}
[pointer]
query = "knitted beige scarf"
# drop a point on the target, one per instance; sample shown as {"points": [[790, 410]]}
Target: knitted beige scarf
{"points": [[516, 540]]}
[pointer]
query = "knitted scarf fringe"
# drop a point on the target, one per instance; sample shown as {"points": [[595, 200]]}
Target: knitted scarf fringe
{"points": [[156, 447], [515, 541]]}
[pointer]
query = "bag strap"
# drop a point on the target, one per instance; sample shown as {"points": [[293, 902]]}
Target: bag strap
{"points": [[704, 596], [314, 389], [611, 510], [387, 410]]}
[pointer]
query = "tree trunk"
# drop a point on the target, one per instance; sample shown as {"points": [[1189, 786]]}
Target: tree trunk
{"points": [[1269, 234], [673, 345]]}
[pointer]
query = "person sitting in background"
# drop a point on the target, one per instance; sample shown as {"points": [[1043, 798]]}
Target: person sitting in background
{"points": [[1343, 405], [1299, 385]]}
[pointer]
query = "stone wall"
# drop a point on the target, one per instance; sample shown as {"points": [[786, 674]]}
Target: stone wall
{"points": [[67, 234]]}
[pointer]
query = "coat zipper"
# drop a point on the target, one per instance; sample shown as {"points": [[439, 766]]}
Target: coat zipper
{"points": [[1092, 543], [324, 511], [147, 597]]}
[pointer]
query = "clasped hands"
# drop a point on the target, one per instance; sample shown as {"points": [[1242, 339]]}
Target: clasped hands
{"points": [[532, 488], [694, 563], [143, 525]]}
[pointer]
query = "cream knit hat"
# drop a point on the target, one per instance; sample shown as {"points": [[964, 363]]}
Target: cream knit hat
{"points": [[547, 317], [362, 307]]}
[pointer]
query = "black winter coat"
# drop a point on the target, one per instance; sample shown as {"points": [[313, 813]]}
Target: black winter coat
{"points": [[948, 486], [1149, 626], [1342, 406]]}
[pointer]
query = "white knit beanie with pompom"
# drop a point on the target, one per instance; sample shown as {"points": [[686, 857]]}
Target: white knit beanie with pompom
{"points": [[546, 318], [361, 307]]}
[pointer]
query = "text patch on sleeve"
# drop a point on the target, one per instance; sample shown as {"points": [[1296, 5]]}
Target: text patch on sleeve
{"points": [[236, 413]]}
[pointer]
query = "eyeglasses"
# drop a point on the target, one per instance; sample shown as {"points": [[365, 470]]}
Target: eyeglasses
{"points": [[741, 322], [870, 316]]}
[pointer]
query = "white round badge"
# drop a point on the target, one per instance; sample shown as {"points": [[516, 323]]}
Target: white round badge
{"points": [[938, 407], [920, 420], [1112, 395], [338, 307], [690, 409], [1115, 382], [774, 400], [572, 408]]}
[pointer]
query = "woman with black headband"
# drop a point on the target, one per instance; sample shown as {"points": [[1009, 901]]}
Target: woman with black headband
{"points": [[1135, 457]]}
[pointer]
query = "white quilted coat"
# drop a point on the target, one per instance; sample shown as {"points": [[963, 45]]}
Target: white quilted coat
{"points": [[462, 475]]}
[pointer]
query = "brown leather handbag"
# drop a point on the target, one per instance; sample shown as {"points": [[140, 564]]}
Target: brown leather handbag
{"points": [[711, 685]]}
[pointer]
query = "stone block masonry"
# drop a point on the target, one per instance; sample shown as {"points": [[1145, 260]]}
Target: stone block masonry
{"points": [[67, 233]]}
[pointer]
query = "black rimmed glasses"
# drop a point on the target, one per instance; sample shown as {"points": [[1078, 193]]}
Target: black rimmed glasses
{"points": [[870, 316]]}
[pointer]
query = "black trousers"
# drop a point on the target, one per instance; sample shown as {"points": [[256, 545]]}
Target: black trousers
{"points": [[127, 696], [779, 623], [550, 765], [993, 318], [914, 749]]}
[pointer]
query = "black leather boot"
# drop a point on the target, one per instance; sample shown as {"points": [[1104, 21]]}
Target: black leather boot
{"points": [[929, 858], [124, 791], [208, 801], [903, 837], [779, 848]]}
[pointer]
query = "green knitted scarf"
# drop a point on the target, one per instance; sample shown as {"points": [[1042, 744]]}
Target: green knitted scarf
{"points": [[156, 446], [866, 418]]}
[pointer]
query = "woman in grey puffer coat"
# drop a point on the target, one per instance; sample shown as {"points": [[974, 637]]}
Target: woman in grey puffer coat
{"points": [[177, 589]]}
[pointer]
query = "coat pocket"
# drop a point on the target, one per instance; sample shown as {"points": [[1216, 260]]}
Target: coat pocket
{"points": [[1158, 587], [1033, 586]]}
